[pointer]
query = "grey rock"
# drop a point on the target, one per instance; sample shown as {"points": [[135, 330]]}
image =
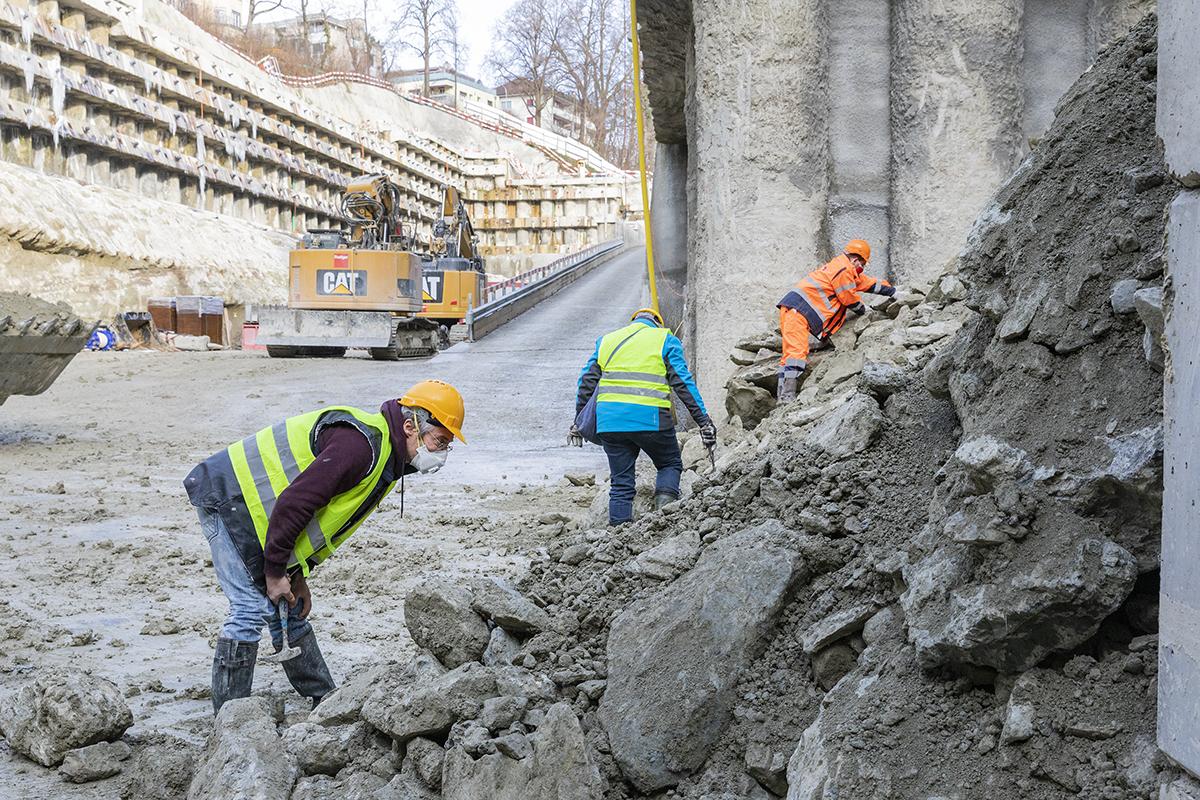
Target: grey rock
{"points": [[514, 745], [470, 736], [430, 707], [674, 658], [837, 625], [426, 758], [1018, 723], [1017, 319], [593, 689], [344, 704], [160, 771], [887, 623], [321, 750], [244, 757], [1122, 296], [391, 682], [94, 762], [668, 558], [574, 554], [1148, 303], [500, 712], [768, 766], [61, 710], [883, 380], [925, 335], [404, 786], [832, 664], [1010, 623], [560, 767], [440, 618], [499, 601], [195, 344], [356, 786], [581, 478], [849, 428], [809, 768], [519, 682], [750, 403], [502, 648], [818, 524]]}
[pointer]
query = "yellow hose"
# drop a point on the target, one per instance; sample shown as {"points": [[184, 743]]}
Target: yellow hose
{"points": [[641, 134]]}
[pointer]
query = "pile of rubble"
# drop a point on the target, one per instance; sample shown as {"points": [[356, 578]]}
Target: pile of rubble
{"points": [[933, 576]]}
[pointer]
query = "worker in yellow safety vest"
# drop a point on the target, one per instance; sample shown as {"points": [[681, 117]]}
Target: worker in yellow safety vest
{"points": [[279, 502]]}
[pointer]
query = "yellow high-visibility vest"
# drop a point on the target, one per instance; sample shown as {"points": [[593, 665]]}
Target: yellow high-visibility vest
{"points": [[634, 373], [267, 462]]}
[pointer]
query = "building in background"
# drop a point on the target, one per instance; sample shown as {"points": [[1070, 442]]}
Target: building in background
{"points": [[228, 13], [332, 43], [446, 86], [561, 113]]}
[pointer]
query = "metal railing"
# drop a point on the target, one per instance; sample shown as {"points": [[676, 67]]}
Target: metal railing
{"points": [[509, 299]]}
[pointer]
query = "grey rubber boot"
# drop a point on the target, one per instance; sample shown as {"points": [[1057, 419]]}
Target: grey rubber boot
{"points": [[307, 672], [662, 498], [788, 384], [232, 670]]}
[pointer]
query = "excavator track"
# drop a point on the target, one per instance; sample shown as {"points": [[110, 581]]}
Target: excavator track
{"points": [[37, 341], [411, 338]]}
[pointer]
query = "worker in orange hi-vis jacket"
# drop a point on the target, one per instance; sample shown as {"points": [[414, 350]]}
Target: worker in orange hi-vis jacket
{"points": [[818, 305]]}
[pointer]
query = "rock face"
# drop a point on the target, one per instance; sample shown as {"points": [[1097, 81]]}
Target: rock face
{"points": [[674, 659], [244, 757], [440, 619], [60, 710], [558, 767]]}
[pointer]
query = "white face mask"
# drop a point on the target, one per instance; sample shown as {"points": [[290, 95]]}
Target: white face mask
{"points": [[425, 461]]}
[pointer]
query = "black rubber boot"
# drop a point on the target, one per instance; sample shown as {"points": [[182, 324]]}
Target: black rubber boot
{"points": [[307, 672], [662, 498], [232, 671]]}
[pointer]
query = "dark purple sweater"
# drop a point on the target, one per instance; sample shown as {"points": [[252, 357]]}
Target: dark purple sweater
{"points": [[343, 459]]}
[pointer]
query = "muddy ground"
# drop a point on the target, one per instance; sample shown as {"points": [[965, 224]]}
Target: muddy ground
{"points": [[108, 569]]}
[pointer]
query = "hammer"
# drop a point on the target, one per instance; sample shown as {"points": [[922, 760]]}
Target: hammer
{"points": [[287, 651]]}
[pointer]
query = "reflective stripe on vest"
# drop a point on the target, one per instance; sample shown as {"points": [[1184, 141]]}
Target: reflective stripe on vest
{"points": [[636, 372], [266, 463]]}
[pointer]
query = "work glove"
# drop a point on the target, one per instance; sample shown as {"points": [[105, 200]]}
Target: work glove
{"points": [[859, 309], [575, 438], [708, 434]]}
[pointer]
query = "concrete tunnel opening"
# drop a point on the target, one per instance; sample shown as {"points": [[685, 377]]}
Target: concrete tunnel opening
{"points": [[959, 564]]}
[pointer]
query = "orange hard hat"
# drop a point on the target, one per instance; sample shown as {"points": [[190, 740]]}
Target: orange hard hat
{"points": [[859, 247], [442, 401], [657, 317]]}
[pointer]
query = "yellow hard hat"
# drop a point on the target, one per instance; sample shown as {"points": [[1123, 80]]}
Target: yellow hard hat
{"points": [[657, 317], [442, 401], [859, 247]]}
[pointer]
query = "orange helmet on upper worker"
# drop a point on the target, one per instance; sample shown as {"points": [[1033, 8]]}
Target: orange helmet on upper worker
{"points": [[818, 305]]}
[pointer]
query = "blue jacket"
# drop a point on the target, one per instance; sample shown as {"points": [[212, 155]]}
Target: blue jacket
{"points": [[627, 417]]}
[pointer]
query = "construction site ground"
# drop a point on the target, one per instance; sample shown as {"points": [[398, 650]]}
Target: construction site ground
{"points": [[113, 573]]}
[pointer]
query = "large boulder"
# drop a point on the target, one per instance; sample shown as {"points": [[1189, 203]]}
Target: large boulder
{"points": [[321, 750], [244, 757], [440, 619], [344, 704], [161, 770], [499, 601], [94, 762], [429, 707], [674, 658], [848, 429], [559, 767], [61, 710]]}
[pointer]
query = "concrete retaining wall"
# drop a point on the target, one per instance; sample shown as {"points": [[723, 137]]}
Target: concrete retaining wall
{"points": [[1179, 607]]}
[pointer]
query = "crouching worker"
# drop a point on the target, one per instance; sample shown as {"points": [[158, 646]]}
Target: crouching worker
{"points": [[279, 502], [818, 306], [632, 372]]}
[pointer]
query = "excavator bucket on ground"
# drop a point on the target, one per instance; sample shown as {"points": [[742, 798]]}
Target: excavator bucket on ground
{"points": [[37, 341]]}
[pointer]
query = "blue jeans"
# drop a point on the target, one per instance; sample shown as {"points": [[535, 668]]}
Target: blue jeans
{"points": [[622, 450], [249, 608]]}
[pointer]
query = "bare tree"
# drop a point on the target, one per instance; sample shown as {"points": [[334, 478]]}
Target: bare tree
{"points": [[421, 28], [257, 7], [458, 49], [593, 55], [525, 49]]}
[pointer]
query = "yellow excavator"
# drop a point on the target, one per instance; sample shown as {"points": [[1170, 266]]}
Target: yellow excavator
{"points": [[377, 286]]}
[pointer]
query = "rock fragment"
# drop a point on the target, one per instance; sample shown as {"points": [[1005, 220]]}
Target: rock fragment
{"points": [[244, 757], [499, 601], [94, 762], [61, 710], [440, 619]]}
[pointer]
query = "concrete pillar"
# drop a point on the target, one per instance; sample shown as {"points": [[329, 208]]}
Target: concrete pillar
{"points": [[74, 19], [1057, 51], [759, 154], [956, 123], [859, 126], [668, 225], [49, 10], [1178, 122]]}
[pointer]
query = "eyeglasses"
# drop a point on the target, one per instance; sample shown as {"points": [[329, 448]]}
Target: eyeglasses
{"points": [[440, 443]]}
